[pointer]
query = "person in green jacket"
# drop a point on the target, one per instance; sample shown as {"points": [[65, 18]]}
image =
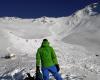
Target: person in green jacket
{"points": [[48, 59]]}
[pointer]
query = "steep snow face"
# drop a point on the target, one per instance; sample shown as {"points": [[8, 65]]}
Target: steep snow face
{"points": [[87, 32], [26, 29]]}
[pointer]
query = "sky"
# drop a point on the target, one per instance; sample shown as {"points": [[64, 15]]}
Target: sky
{"points": [[39, 8]]}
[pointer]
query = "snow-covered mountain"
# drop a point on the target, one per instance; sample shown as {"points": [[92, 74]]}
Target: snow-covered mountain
{"points": [[86, 33], [75, 39]]}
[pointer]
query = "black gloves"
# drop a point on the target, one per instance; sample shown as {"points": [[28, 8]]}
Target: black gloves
{"points": [[57, 66], [38, 74], [37, 69]]}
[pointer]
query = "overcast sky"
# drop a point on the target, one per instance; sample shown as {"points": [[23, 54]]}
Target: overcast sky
{"points": [[39, 8]]}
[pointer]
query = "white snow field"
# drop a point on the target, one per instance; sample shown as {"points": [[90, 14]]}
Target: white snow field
{"points": [[75, 38]]}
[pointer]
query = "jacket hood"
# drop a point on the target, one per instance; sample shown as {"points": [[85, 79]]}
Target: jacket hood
{"points": [[45, 43]]}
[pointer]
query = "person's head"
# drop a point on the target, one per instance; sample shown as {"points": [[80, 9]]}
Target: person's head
{"points": [[45, 42]]}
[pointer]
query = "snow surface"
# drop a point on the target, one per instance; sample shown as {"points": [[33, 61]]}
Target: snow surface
{"points": [[76, 40]]}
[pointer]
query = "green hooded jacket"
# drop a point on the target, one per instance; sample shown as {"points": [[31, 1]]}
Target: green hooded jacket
{"points": [[46, 55]]}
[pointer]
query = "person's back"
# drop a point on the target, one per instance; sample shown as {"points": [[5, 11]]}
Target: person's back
{"points": [[47, 55], [48, 59]]}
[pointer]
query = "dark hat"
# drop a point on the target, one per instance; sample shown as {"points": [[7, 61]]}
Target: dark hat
{"points": [[45, 40]]}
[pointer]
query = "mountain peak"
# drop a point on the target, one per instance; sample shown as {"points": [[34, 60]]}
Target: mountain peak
{"points": [[92, 9]]}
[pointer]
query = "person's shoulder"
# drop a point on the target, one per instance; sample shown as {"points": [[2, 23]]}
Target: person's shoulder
{"points": [[39, 49], [50, 47]]}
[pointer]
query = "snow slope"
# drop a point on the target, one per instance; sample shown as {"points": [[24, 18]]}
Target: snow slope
{"points": [[75, 39]]}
